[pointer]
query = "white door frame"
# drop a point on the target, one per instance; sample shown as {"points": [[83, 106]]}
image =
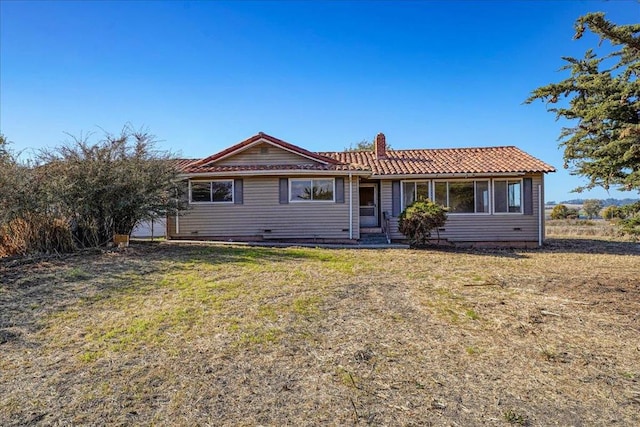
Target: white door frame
{"points": [[376, 208]]}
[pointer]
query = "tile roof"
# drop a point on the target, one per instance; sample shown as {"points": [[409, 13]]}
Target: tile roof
{"points": [[182, 164], [193, 167], [481, 160], [445, 161]]}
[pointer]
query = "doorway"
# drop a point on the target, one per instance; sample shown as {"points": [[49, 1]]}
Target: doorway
{"points": [[368, 205]]}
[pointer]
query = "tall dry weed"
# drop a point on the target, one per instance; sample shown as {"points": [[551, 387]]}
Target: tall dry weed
{"points": [[35, 233]]}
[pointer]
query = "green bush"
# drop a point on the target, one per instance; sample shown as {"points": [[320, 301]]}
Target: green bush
{"points": [[631, 210], [613, 212], [418, 221], [563, 212]]}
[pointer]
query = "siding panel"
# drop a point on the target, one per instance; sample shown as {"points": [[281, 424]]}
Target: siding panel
{"points": [[265, 154], [262, 216], [479, 228]]}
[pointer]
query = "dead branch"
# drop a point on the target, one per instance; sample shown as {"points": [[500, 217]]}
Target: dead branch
{"points": [[549, 313]]}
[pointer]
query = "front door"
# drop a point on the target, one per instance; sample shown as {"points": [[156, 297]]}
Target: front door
{"points": [[368, 205]]}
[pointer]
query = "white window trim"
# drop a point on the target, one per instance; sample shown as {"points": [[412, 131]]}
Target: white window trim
{"points": [[333, 183], [474, 213], [209, 181], [493, 201], [475, 196], [415, 190]]}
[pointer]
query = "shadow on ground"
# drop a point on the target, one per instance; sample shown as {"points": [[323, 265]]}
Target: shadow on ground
{"points": [[591, 246]]}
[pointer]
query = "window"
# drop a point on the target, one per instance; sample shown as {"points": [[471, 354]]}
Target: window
{"points": [[482, 196], [311, 190], [414, 191], [463, 196], [219, 191], [507, 196]]}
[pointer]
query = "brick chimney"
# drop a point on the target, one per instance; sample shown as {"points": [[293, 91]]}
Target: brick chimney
{"points": [[380, 146]]}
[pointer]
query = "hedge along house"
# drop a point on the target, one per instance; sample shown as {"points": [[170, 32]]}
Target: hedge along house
{"points": [[265, 188]]}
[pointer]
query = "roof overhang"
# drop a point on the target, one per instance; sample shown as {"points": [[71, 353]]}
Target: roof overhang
{"points": [[450, 175], [294, 172]]}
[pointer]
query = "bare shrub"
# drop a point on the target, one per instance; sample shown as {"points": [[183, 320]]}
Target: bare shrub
{"points": [[80, 194]]}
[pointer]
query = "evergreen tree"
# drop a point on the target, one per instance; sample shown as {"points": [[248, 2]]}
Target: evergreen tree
{"points": [[603, 94]]}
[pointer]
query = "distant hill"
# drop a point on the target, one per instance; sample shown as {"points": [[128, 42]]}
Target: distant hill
{"points": [[605, 202]]}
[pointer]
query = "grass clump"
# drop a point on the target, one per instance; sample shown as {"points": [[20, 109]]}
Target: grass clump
{"points": [[513, 417], [471, 314], [307, 306], [259, 336]]}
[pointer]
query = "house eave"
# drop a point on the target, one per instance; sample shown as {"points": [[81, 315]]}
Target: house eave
{"points": [[367, 174], [447, 175], [280, 172]]}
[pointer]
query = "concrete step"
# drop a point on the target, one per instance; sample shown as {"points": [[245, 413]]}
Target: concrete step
{"points": [[373, 239], [370, 230]]}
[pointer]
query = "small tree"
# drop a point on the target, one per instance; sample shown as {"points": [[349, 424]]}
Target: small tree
{"points": [[612, 212], [363, 145], [419, 219], [592, 207], [559, 212], [563, 212]]}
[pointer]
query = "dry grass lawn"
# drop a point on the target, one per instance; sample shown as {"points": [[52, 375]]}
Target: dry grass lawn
{"points": [[172, 334], [598, 228]]}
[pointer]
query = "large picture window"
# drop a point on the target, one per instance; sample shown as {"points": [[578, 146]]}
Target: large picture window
{"points": [[507, 196], [414, 191], [218, 191], [463, 196], [309, 190]]}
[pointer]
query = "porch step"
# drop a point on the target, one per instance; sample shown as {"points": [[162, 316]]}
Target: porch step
{"points": [[370, 230], [373, 239]]}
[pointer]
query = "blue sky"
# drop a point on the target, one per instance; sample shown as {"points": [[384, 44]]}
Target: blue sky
{"points": [[323, 75]]}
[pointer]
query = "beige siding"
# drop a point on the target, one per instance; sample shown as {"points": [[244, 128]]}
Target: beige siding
{"points": [[271, 156], [355, 182], [478, 227], [537, 212], [262, 211]]}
